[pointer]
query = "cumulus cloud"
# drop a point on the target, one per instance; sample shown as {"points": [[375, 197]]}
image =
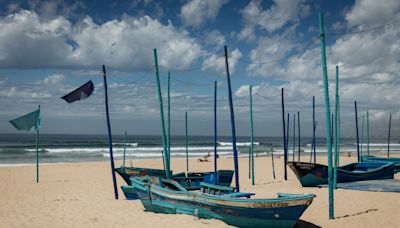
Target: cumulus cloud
{"points": [[53, 79], [370, 12], [216, 63], [277, 16], [197, 12], [28, 41]]}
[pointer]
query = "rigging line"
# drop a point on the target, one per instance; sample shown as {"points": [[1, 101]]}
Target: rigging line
{"points": [[364, 30], [134, 81], [190, 69]]}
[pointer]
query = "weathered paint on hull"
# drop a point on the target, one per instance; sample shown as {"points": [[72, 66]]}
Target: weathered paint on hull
{"points": [[129, 192], [395, 160], [128, 172], [311, 174], [285, 216]]}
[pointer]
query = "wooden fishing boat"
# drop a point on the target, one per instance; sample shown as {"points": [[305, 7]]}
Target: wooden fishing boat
{"points": [[190, 182], [128, 172], [312, 174], [168, 196], [395, 160]]}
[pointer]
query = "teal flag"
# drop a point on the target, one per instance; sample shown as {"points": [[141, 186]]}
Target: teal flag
{"points": [[28, 122]]}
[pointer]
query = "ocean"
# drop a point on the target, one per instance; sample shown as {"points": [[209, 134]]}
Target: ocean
{"points": [[19, 149]]}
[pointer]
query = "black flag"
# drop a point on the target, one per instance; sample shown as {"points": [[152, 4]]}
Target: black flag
{"points": [[80, 93]]}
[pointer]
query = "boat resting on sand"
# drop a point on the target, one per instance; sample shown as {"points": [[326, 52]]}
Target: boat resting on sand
{"points": [[395, 160], [168, 196], [312, 174]]}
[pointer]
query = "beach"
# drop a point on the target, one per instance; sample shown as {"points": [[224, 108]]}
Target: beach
{"points": [[81, 195]]}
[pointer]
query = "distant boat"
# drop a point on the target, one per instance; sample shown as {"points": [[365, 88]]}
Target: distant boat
{"points": [[311, 174], [395, 160], [169, 197]]}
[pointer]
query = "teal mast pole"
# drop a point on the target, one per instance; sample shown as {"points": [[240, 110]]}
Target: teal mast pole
{"points": [[215, 132], [109, 134], [336, 141], [186, 142], [362, 135], [169, 117], [125, 136], [367, 132], [164, 140], [327, 115], [37, 149], [252, 136], [235, 154], [390, 124], [284, 136]]}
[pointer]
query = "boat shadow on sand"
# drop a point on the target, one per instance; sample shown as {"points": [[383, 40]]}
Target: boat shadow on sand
{"points": [[305, 224]]}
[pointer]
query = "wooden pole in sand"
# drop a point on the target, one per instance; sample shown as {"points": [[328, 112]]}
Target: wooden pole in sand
{"points": [[314, 128], [298, 131], [169, 116], [287, 137], [294, 135], [362, 136], [164, 138], [367, 132], [186, 142], [327, 116], [272, 160], [123, 158], [37, 148], [390, 124], [109, 134], [336, 139], [358, 143], [215, 133], [252, 136], [235, 154], [284, 136]]}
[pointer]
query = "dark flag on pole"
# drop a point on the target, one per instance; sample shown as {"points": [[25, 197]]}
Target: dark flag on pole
{"points": [[80, 93]]}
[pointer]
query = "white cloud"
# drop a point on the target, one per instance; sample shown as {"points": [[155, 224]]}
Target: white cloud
{"points": [[216, 62], [371, 12], [54, 79], [196, 12], [28, 41], [277, 16]]}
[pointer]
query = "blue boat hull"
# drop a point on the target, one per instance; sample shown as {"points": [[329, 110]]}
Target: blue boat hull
{"points": [[395, 160], [280, 212], [311, 174], [129, 192]]}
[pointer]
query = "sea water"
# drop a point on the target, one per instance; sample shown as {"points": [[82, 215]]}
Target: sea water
{"points": [[19, 149]]}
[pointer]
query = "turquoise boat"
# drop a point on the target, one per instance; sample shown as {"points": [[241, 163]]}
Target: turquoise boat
{"points": [[190, 182], [312, 174], [395, 160], [169, 197]]}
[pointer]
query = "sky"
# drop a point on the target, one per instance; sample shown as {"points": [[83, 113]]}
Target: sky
{"points": [[49, 48]]}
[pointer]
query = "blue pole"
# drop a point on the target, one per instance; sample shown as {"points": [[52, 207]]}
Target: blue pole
{"points": [[215, 133], [109, 134], [298, 131], [336, 141], [284, 136], [367, 132], [314, 128], [164, 139], [273, 162], [294, 135], [358, 141], [235, 154], [37, 149], [327, 116]]}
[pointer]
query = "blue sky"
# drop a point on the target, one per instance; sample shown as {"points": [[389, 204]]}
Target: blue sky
{"points": [[48, 48]]}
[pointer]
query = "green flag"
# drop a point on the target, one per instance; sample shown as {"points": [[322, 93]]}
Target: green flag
{"points": [[28, 122]]}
